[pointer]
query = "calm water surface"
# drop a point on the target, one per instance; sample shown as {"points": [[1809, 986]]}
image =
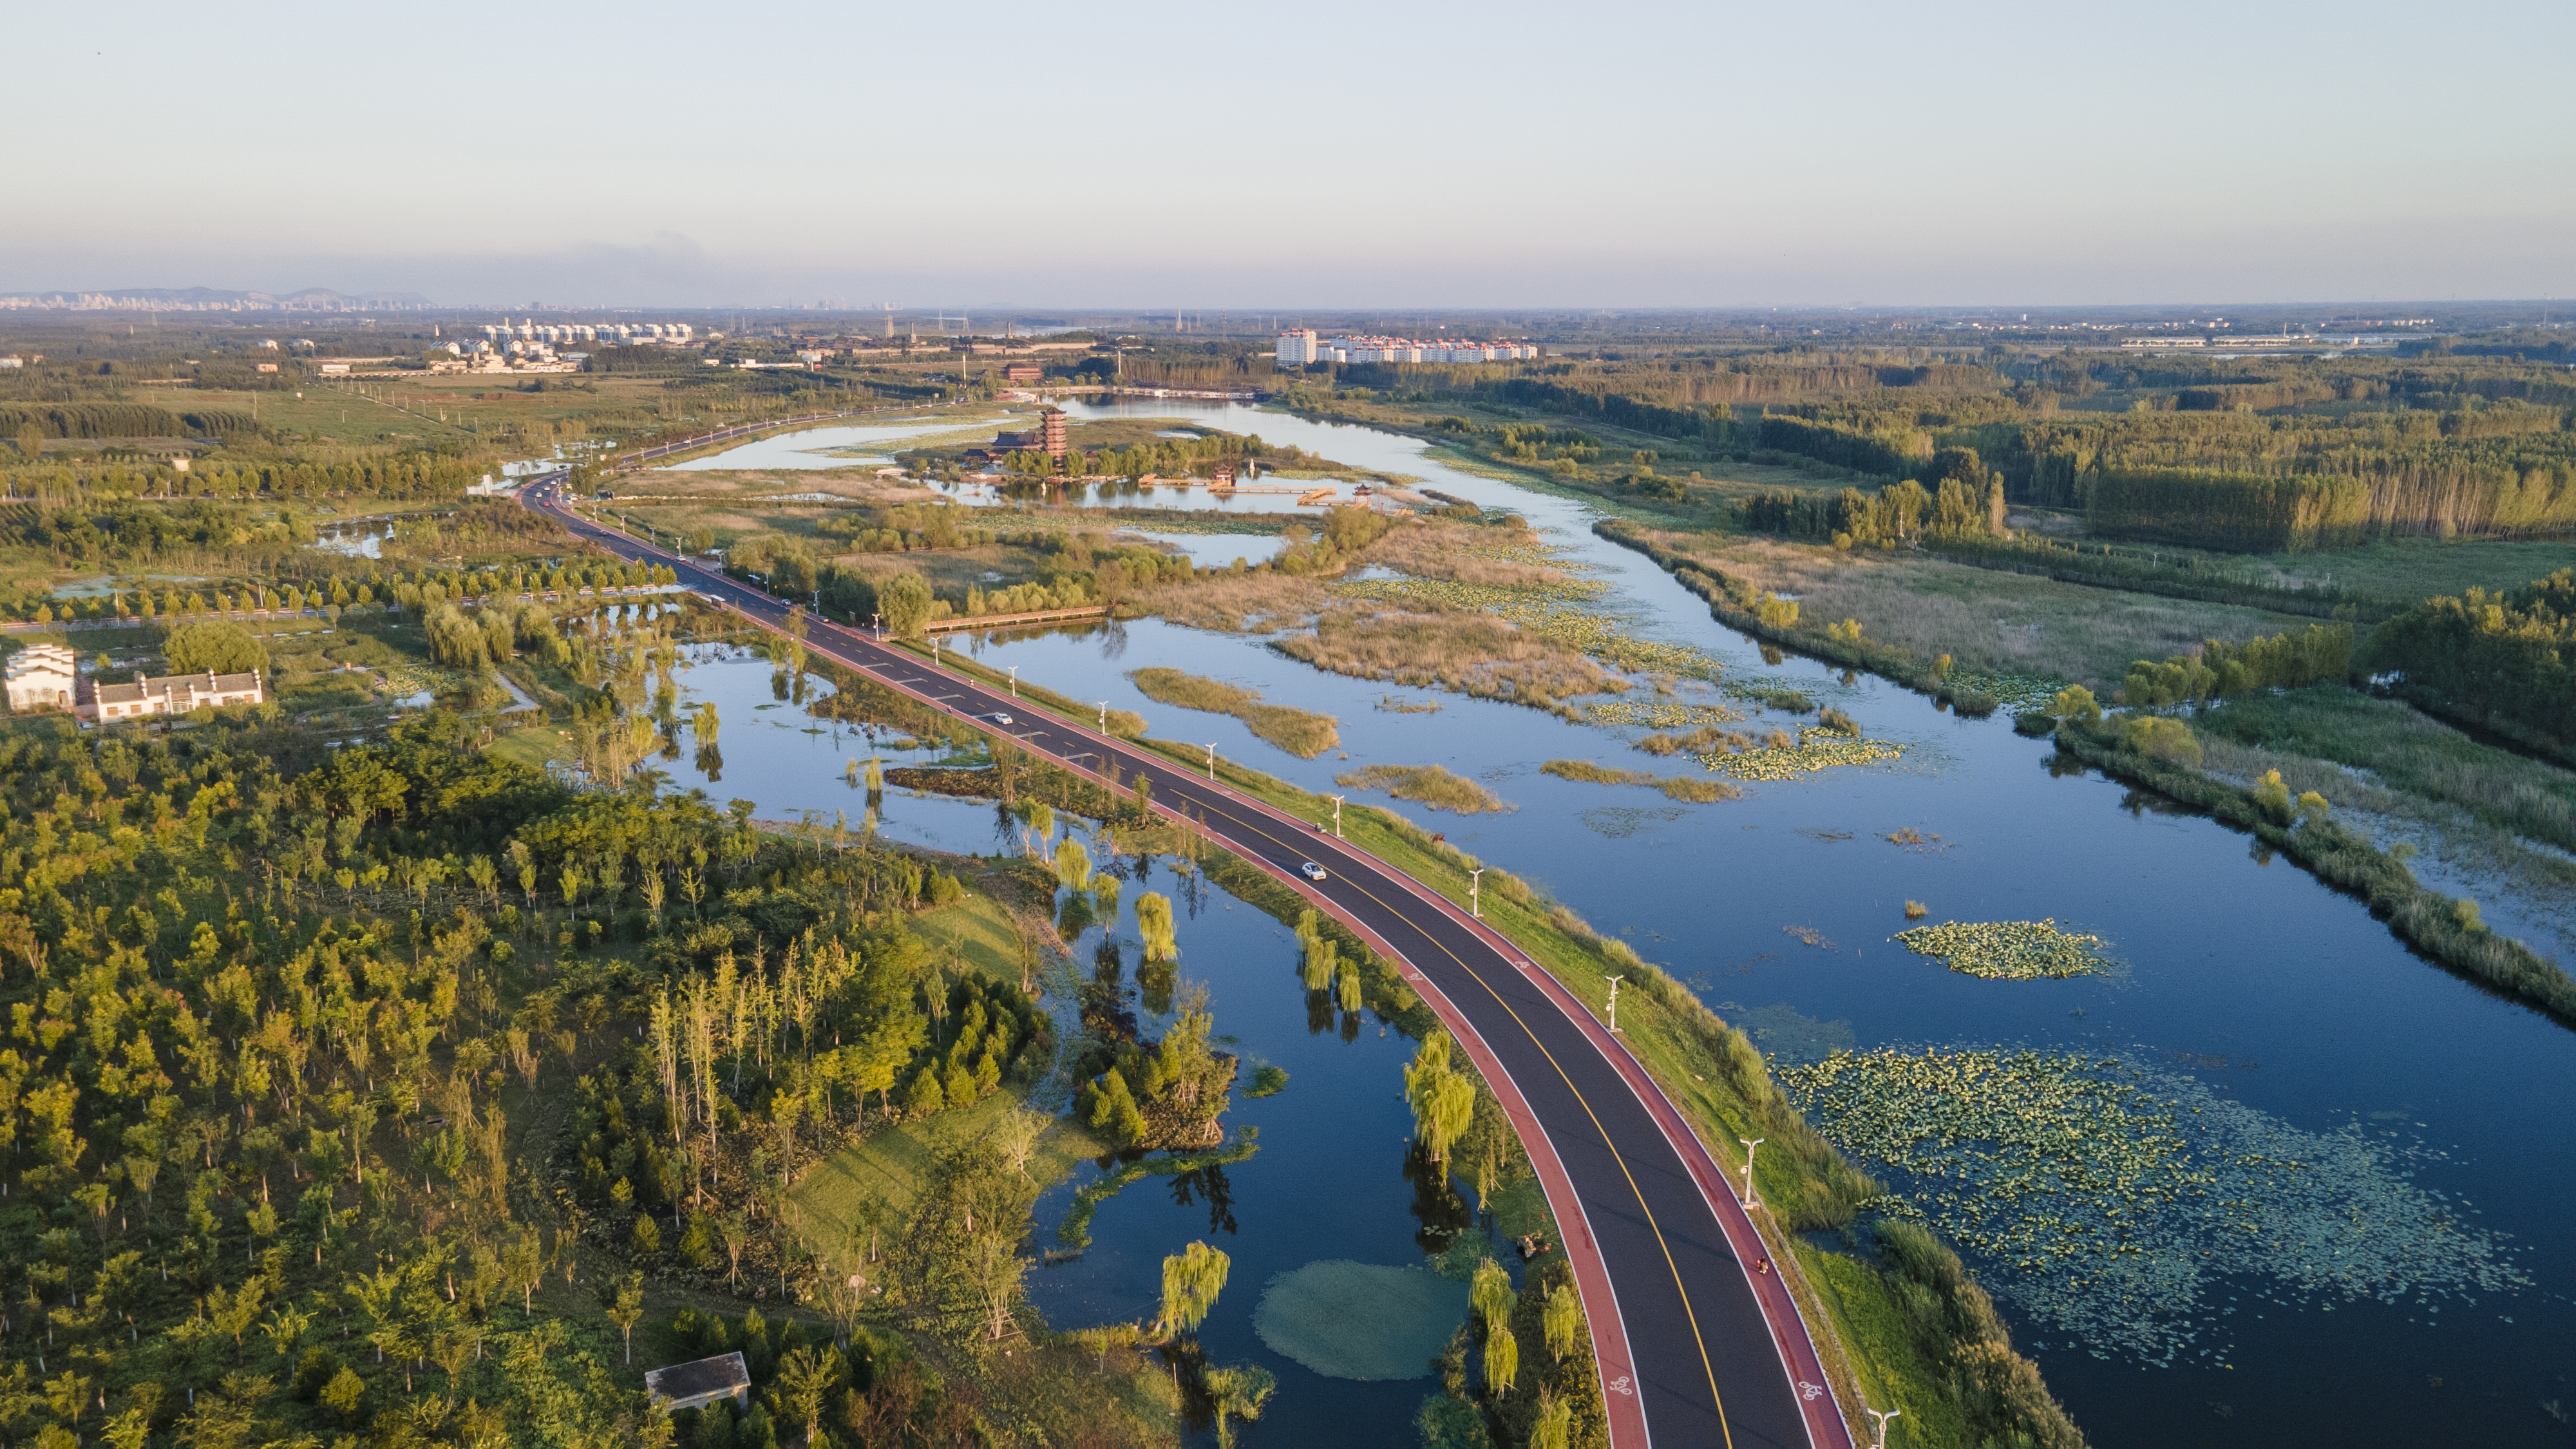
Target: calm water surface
{"points": [[2243, 975]]}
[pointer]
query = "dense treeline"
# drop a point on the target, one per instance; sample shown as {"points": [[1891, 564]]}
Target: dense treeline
{"points": [[2319, 655], [2506, 659], [120, 420]]}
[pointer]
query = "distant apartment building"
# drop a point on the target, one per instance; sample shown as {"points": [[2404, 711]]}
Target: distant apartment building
{"points": [[42, 676], [1301, 347], [173, 694]]}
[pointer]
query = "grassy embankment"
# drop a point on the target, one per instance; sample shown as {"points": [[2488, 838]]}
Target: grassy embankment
{"points": [[1906, 1326]]}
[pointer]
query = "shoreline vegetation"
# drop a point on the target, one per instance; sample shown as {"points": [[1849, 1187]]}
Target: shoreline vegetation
{"points": [[1302, 733], [2446, 929], [1899, 1317]]}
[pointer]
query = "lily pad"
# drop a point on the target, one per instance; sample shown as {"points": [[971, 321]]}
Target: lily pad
{"points": [[1365, 1321]]}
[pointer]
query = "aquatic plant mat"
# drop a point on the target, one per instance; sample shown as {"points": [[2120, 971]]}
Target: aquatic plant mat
{"points": [[2128, 1207], [1349, 1320], [2009, 950]]}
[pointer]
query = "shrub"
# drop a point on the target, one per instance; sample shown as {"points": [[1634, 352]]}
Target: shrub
{"points": [[2165, 739]]}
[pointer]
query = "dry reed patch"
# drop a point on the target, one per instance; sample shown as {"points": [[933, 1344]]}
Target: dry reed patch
{"points": [[1984, 619], [1474, 654], [1428, 786], [1250, 603], [1460, 553], [1302, 733]]}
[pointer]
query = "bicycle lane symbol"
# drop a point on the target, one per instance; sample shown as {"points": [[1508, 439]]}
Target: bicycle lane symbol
{"points": [[1620, 1385]]}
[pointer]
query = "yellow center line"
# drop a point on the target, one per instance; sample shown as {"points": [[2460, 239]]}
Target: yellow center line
{"points": [[1656, 1228]]}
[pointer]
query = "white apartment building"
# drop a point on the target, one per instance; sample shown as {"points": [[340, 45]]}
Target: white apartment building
{"points": [[175, 694], [1301, 347], [42, 676]]}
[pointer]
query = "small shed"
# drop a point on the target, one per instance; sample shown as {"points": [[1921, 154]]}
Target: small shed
{"points": [[699, 1383]]}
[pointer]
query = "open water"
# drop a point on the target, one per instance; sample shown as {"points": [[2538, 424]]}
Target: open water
{"points": [[2414, 1117]]}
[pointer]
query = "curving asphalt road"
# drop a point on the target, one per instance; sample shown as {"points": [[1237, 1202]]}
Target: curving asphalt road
{"points": [[1697, 1346]]}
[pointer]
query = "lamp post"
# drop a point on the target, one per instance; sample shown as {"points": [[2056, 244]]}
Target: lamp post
{"points": [[1211, 761], [1015, 681], [1104, 716], [1614, 1001], [1337, 816], [1475, 902], [1749, 1144], [877, 622], [1878, 1423]]}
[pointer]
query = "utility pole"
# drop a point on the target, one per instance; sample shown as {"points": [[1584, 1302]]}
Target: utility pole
{"points": [[1878, 1422], [1475, 902], [1749, 1144], [1614, 1001], [1337, 815]]}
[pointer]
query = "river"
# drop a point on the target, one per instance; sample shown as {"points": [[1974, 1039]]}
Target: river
{"points": [[2382, 1254]]}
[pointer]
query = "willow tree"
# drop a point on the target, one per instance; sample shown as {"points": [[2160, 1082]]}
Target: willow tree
{"points": [[1072, 864], [1154, 923], [1443, 1100], [1192, 1278]]}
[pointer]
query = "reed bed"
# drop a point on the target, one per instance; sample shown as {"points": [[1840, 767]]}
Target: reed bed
{"points": [[1698, 792], [1302, 733], [1428, 786]]}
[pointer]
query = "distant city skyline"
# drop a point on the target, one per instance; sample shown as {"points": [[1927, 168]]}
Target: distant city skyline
{"points": [[1337, 157]]}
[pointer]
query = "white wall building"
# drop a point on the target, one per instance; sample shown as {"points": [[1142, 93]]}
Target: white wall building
{"points": [[42, 676], [1301, 347]]}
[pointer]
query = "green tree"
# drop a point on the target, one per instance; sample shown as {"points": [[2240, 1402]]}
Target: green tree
{"points": [[627, 1309], [1237, 1392], [905, 601], [1192, 1278], [218, 645], [1154, 924]]}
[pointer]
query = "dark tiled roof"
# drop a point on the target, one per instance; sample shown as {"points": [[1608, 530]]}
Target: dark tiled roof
{"points": [[723, 1374]]}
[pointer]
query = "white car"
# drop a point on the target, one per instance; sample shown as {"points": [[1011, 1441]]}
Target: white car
{"points": [[1312, 870], [1001, 717]]}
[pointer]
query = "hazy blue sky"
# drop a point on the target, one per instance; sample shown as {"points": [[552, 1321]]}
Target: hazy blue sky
{"points": [[1268, 158]]}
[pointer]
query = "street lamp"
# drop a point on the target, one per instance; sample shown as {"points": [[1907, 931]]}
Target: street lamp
{"points": [[1015, 681], [1749, 1144], [1104, 716], [1878, 1421], [1337, 815], [1614, 1001], [1475, 903], [877, 622], [1211, 762]]}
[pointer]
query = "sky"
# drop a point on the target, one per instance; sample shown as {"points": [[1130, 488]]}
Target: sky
{"points": [[1326, 155]]}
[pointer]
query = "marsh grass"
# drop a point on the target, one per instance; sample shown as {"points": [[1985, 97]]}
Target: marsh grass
{"points": [[1467, 554], [1302, 733], [1470, 653], [2408, 752], [1990, 623], [1427, 785], [1236, 604], [1698, 792]]}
